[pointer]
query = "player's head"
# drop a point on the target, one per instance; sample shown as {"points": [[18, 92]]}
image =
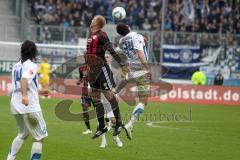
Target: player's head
{"points": [[123, 29], [98, 22], [108, 58], [28, 51], [45, 60]]}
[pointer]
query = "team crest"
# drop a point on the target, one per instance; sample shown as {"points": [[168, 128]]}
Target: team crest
{"points": [[186, 55]]}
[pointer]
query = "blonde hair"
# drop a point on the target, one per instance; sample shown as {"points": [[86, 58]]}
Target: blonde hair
{"points": [[101, 21]]}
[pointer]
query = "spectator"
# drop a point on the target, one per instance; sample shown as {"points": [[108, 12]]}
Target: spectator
{"points": [[212, 16], [146, 24], [140, 19], [218, 80]]}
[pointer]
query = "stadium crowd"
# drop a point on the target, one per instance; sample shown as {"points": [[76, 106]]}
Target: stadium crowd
{"points": [[192, 16], [212, 16]]}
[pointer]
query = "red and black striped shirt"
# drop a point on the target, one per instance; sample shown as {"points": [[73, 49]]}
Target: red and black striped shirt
{"points": [[83, 75], [97, 44]]}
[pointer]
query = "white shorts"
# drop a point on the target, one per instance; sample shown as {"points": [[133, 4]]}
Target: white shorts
{"points": [[110, 114], [31, 123], [108, 110]]}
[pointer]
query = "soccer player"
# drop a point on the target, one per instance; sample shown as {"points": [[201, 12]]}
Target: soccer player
{"points": [[107, 107], [86, 99], [109, 116], [25, 103], [134, 47], [100, 75], [44, 72]]}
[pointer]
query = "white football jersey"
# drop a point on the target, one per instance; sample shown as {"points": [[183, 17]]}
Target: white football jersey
{"points": [[27, 70], [129, 44]]}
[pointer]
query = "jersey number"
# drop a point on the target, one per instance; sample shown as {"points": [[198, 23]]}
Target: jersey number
{"points": [[128, 48], [17, 76]]}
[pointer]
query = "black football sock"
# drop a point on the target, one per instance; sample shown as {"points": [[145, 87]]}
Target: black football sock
{"points": [[100, 113], [87, 125], [116, 111], [86, 117]]}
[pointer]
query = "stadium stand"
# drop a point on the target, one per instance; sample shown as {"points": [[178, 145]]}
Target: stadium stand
{"points": [[203, 16], [211, 16], [213, 25]]}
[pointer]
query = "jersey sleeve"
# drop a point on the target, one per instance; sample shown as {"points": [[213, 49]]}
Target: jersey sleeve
{"points": [[107, 45], [30, 72], [138, 42]]}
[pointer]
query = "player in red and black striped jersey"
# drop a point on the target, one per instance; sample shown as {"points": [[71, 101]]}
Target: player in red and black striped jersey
{"points": [[86, 100], [100, 75]]}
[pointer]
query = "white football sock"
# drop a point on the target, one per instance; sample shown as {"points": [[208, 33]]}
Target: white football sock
{"points": [[116, 137], [118, 141], [104, 140], [16, 145], [36, 150], [136, 112]]}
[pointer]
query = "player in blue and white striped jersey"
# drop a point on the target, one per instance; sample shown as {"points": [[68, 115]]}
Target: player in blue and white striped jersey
{"points": [[133, 46], [25, 105]]}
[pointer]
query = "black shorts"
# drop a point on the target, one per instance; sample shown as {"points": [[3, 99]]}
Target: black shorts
{"points": [[86, 101], [103, 80]]}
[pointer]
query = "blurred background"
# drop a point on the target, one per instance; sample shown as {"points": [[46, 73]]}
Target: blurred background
{"points": [[194, 53], [189, 36]]}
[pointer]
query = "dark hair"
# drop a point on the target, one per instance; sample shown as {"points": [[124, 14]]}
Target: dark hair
{"points": [[28, 51], [122, 29]]}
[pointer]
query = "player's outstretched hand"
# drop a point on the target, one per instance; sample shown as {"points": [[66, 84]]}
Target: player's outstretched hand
{"points": [[25, 100]]}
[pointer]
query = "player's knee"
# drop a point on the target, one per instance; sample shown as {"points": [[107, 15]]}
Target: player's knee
{"points": [[143, 99], [109, 95], [96, 102], [85, 107], [95, 94], [113, 120], [23, 136], [38, 140]]}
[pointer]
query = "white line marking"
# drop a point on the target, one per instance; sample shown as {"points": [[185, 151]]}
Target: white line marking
{"points": [[154, 125]]}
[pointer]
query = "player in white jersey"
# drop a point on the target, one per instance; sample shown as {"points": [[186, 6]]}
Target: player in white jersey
{"points": [[25, 103], [133, 46], [107, 106]]}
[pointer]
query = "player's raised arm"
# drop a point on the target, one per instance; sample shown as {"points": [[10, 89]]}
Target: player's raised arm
{"points": [[108, 46]]}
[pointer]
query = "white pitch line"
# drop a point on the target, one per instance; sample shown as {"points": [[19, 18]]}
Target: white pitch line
{"points": [[153, 124]]}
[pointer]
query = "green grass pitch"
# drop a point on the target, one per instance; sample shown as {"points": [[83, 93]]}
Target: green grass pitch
{"points": [[213, 134]]}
